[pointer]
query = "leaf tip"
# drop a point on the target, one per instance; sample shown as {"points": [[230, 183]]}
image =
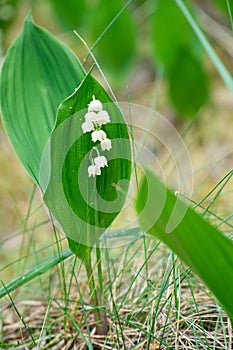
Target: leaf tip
{"points": [[29, 19]]}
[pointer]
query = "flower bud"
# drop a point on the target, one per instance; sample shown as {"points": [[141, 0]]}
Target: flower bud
{"points": [[95, 106]]}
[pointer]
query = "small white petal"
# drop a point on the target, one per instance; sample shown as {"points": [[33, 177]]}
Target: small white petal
{"points": [[95, 106], [90, 117], [106, 145], [87, 127], [102, 118], [93, 170], [98, 135], [101, 161], [97, 170]]}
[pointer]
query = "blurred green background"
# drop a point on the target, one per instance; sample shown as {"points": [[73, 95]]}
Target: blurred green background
{"points": [[126, 35]]}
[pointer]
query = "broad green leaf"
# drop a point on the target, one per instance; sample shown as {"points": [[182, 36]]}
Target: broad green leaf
{"points": [[38, 73], [170, 32], [177, 49], [200, 245], [187, 79], [69, 12], [116, 48], [85, 206]]}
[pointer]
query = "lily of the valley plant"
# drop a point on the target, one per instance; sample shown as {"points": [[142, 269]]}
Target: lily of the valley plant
{"points": [[43, 88]]}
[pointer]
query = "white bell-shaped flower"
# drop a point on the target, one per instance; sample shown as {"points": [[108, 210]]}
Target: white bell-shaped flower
{"points": [[87, 126], [100, 161], [95, 105], [90, 117], [106, 144], [93, 170], [97, 169], [98, 135], [102, 118]]}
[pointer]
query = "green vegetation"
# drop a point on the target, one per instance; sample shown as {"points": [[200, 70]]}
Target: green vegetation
{"points": [[137, 246]]}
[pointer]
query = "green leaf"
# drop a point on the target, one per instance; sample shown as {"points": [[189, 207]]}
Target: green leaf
{"points": [[117, 47], [69, 12], [38, 73], [170, 32], [188, 87], [85, 206], [201, 246], [176, 48]]}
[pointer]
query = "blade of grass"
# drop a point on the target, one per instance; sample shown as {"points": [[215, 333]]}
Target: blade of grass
{"points": [[18, 233], [115, 308], [18, 313], [224, 73], [35, 252], [22, 263], [84, 312], [73, 321], [229, 13], [195, 309], [34, 272], [91, 49], [97, 65], [223, 183]]}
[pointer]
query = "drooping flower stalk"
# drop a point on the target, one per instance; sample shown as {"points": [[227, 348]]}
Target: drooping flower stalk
{"points": [[94, 119]]}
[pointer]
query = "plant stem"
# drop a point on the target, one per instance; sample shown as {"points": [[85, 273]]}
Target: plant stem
{"points": [[99, 315], [99, 267]]}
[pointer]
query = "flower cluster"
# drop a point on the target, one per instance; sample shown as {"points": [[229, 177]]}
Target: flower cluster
{"points": [[94, 119]]}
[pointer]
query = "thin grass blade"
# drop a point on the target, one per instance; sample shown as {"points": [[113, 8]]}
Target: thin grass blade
{"points": [[34, 273], [224, 73]]}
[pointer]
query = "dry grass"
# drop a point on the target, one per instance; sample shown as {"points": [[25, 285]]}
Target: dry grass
{"points": [[164, 307], [178, 334]]}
